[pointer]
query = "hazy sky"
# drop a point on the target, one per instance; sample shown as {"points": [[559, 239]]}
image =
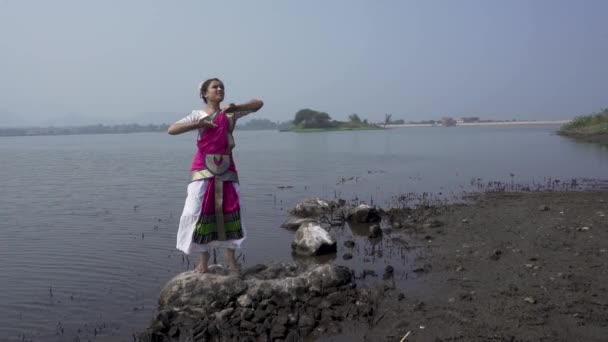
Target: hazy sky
{"points": [[122, 61]]}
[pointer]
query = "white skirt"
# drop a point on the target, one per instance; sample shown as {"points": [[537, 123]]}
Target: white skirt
{"points": [[190, 216]]}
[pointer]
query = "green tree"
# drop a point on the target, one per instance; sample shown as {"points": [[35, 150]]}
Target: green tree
{"points": [[308, 118]]}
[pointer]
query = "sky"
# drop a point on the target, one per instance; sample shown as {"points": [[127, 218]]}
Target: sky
{"points": [[73, 62]]}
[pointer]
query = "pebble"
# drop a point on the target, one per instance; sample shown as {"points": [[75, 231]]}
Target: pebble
{"points": [[244, 300], [496, 254], [388, 272]]}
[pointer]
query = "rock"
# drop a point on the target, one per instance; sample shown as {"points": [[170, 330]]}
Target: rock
{"points": [[293, 223], [347, 256], [269, 302], [530, 300], [465, 220], [224, 314], [349, 243], [247, 314], [306, 323], [328, 276], [278, 331], [375, 231], [336, 298], [324, 305], [364, 213], [259, 316], [459, 269], [424, 269], [432, 224], [495, 255], [388, 272], [543, 208], [253, 270], [466, 296], [400, 297], [292, 318], [311, 239], [245, 325], [244, 300], [311, 207]]}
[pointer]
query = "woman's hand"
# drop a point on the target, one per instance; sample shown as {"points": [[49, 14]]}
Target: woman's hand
{"points": [[206, 122]]}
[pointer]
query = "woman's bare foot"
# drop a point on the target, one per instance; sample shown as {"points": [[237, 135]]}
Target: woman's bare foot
{"points": [[232, 266], [202, 266]]}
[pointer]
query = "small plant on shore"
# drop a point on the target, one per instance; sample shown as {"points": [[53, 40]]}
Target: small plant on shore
{"points": [[595, 123]]}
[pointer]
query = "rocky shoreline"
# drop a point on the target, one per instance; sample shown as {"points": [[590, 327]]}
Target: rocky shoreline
{"points": [[505, 266], [283, 302]]}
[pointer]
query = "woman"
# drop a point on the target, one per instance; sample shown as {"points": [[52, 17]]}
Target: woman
{"points": [[211, 216]]}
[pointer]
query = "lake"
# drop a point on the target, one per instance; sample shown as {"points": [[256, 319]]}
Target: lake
{"points": [[88, 222]]}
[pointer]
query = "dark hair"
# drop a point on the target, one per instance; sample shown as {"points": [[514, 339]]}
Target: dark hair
{"points": [[206, 84]]}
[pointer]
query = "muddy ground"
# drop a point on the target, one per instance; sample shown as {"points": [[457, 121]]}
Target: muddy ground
{"points": [[522, 266]]}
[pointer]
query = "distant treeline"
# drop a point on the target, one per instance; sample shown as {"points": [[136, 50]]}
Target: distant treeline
{"points": [[254, 124], [91, 129], [308, 119], [263, 124]]}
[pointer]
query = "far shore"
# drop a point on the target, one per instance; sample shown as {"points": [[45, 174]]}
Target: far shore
{"points": [[493, 123], [312, 130]]}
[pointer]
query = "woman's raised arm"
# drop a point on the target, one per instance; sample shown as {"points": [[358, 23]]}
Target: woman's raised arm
{"points": [[183, 126], [243, 109]]}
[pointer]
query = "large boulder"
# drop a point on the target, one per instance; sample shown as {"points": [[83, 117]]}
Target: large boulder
{"points": [[274, 300], [311, 239], [218, 287], [364, 213], [293, 223]]}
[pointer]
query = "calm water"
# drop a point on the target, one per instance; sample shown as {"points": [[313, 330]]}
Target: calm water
{"points": [[88, 223]]}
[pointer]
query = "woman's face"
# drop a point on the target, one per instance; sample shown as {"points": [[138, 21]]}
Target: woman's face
{"points": [[215, 92]]}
